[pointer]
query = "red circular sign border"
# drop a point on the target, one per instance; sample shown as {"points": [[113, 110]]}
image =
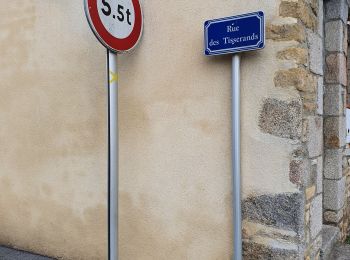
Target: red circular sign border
{"points": [[107, 39]]}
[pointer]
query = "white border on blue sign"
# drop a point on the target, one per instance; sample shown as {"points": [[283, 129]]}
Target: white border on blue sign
{"points": [[259, 14]]}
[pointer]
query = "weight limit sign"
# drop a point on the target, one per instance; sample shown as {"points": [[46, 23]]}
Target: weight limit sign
{"points": [[116, 24]]}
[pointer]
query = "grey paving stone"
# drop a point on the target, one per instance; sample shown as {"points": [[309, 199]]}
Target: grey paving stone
{"points": [[12, 254], [5, 251]]}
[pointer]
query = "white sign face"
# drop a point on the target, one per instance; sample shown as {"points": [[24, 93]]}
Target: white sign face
{"points": [[118, 17]]}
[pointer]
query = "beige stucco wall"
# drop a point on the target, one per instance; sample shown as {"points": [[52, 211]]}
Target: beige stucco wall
{"points": [[175, 184]]}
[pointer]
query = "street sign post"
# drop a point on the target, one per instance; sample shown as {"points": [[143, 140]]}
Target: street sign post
{"points": [[235, 34], [232, 35], [118, 26]]}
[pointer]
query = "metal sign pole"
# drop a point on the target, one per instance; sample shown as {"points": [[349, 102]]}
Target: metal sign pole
{"points": [[220, 36], [236, 158], [112, 156], [118, 36]]}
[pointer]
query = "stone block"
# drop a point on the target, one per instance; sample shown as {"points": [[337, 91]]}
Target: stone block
{"points": [[334, 100], [310, 178], [333, 216], [320, 18], [299, 55], [330, 236], [310, 192], [289, 9], [281, 118], [309, 102], [256, 251], [299, 78], [316, 216], [315, 246], [336, 69], [286, 32], [336, 9], [348, 100], [317, 171], [314, 136], [301, 10], [348, 51], [283, 210], [335, 33], [298, 170], [320, 92], [346, 168], [333, 194], [334, 132], [333, 160], [316, 52], [314, 4], [307, 16], [347, 154], [345, 41]]}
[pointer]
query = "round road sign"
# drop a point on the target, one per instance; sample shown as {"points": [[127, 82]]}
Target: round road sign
{"points": [[117, 24]]}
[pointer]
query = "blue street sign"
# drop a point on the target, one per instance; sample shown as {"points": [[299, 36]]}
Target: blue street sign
{"points": [[233, 34]]}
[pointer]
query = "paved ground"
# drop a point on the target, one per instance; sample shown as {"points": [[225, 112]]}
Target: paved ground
{"points": [[341, 252], [11, 254]]}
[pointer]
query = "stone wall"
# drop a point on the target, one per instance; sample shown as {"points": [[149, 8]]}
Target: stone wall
{"points": [[175, 166], [175, 141], [284, 235], [335, 163]]}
